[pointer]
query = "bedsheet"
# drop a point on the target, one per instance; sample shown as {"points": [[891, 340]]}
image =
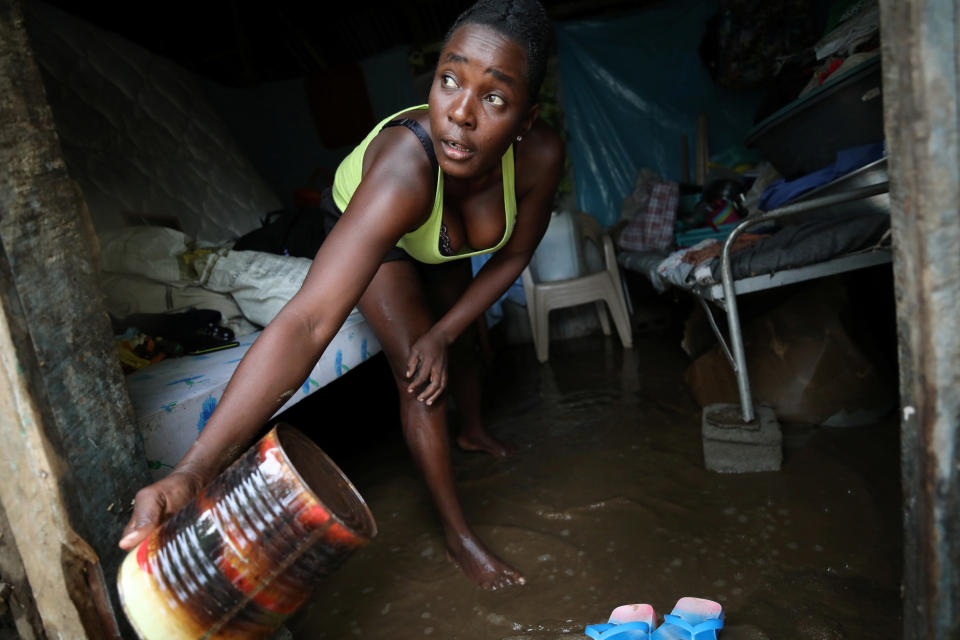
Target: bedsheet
{"points": [[174, 399]]}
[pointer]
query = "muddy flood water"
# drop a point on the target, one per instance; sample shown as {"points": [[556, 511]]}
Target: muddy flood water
{"points": [[606, 503]]}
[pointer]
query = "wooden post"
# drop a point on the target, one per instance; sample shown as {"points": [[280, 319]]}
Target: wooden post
{"points": [[702, 152], [921, 75], [18, 598], [66, 412], [30, 491]]}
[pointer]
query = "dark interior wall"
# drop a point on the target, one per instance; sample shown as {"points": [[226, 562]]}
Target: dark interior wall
{"points": [[390, 83], [138, 134], [277, 130], [273, 125]]}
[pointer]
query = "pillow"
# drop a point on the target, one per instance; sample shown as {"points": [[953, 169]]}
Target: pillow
{"points": [[152, 252], [261, 283]]}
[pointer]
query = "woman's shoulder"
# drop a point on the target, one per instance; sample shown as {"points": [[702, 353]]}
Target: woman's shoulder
{"points": [[400, 149]]}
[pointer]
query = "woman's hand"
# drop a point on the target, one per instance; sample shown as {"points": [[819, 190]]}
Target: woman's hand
{"points": [[157, 502], [427, 366]]}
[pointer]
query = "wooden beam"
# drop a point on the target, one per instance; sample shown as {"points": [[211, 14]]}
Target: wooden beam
{"points": [[17, 597], [66, 411], [31, 470], [921, 77]]}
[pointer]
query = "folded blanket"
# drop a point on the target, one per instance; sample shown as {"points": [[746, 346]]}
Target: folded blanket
{"points": [[261, 283]]}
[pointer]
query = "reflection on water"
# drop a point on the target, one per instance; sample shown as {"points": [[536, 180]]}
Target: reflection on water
{"points": [[607, 503]]}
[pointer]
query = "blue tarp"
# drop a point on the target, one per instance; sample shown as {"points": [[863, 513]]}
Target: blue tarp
{"points": [[632, 86]]}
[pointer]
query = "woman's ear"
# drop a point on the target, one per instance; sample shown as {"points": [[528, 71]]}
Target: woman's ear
{"points": [[529, 118]]}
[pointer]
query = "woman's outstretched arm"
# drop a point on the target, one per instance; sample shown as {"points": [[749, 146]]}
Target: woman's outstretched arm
{"points": [[391, 199]]}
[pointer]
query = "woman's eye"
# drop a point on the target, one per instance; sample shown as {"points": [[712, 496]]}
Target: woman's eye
{"points": [[447, 82], [496, 100]]}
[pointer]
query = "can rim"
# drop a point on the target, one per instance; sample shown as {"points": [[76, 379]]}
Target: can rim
{"points": [[367, 528]]}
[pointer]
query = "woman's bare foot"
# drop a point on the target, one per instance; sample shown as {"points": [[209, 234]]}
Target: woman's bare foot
{"points": [[483, 441], [481, 566]]}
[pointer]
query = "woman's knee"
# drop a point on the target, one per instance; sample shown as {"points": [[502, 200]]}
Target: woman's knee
{"points": [[397, 365]]}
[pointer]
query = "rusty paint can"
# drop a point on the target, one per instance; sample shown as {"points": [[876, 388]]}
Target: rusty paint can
{"points": [[249, 550]]}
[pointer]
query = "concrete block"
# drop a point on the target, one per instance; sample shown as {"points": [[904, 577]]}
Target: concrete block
{"points": [[733, 446]]}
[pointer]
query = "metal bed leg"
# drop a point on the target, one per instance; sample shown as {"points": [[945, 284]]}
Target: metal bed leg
{"points": [[736, 338], [718, 333]]}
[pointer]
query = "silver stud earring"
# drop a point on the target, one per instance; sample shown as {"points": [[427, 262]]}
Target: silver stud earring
{"points": [[519, 138]]}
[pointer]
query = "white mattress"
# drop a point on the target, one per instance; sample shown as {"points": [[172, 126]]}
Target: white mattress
{"points": [[173, 399]]}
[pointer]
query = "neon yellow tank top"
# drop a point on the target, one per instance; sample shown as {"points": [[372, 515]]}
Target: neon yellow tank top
{"points": [[423, 243]]}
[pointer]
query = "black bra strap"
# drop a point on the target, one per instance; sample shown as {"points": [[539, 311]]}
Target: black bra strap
{"points": [[421, 134]]}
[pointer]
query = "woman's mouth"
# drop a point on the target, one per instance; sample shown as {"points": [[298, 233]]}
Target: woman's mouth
{"points": [[455, 150]]}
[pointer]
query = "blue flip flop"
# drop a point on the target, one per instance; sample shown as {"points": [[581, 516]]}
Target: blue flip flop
{"points": [[627, 622], [691, 619]]}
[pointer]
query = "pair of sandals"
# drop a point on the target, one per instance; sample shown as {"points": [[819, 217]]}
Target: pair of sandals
{"points": [[691, 619]]}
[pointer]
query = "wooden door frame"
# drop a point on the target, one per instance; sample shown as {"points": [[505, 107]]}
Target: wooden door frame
{"points": [[71, 455]]}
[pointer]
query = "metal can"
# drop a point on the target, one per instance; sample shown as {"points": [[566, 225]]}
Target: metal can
{"points": [[248, 551]]}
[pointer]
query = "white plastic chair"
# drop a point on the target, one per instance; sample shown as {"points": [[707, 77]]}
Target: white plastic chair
{"points": [[602, 286]]}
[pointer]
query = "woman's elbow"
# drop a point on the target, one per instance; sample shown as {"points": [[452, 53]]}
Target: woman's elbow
{"points": [[309, 328]]}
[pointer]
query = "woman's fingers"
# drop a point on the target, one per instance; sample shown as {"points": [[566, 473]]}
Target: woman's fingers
{"points": [[428, 381], [417, 372], [438, 381], [427, 368], [413, 362], [421, 382], [148, 508], [438, 386]]}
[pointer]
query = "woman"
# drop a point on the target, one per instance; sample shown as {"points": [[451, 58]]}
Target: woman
{"points": [[396, 248]]}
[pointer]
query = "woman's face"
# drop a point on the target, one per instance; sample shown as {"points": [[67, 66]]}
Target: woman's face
{"points": [[479, 100]]}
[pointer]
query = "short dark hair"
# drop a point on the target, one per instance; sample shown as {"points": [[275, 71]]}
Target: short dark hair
{"points": [[523, 21]]}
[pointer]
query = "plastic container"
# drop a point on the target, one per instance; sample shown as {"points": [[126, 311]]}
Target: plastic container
{"points": [[248, 551], [558, 256], [804, 136]]}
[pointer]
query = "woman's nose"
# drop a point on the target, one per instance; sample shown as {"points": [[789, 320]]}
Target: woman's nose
{"points": [[461, 112]]}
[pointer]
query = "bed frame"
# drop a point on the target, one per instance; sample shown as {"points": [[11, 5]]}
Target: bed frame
{"points": [[724, 294]]}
